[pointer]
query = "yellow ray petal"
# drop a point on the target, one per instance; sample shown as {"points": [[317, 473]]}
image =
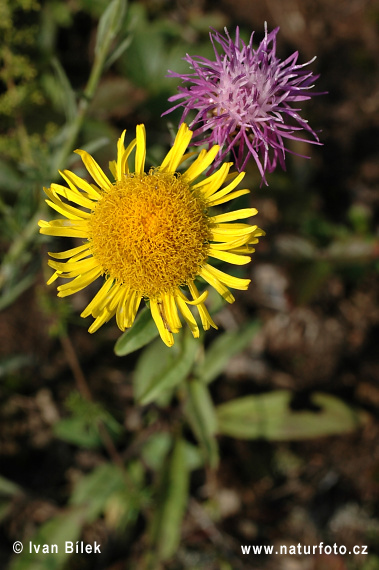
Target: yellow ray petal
{"points": [[232, 244], [134, 305], [74, 268], [211, 183], [71, 194], [141, 150], [171, 312], [196, 301], [124, 168], [114, 300], [188, 317], [166, 335], [229, 280], [235, 215], [227, 188], [59, 223], [121, 309], [69, 252], [216, 284], [213, 201], [247, 249], [79, 282], [53, 278], [223, 232], [206, 319], [131, 300], [75, 196], [94, 169], [74, 180], [103, 318], [50, 229], [120, 154], [106, 301], [113, 168], [202, 162], [98, 299], [67, 211], [176, 153], [229, 257]]}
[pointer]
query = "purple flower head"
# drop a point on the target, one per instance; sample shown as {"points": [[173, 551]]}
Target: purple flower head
{"points": [[244, 100]]}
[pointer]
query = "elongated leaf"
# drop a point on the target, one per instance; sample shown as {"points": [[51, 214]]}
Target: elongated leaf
{"points": [[68, 98], [143, 331], [222, 350], [167, 523], [82, 428], [123, 46], [65, 527], [201, 415], [94, 490], [158, 445], [110, 24], [124, 505], [161, 368], [77, 431], [10, 178], [269, 416]]}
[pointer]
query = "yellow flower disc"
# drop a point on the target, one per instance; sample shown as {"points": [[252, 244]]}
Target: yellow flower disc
{"points": [[151, 232]]}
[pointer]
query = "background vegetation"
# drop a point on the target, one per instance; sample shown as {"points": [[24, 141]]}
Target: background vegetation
{"points": [[269, 435]]}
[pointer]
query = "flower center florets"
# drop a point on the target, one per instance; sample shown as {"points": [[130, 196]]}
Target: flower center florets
{"points": [[245, 93], [150, 232]]}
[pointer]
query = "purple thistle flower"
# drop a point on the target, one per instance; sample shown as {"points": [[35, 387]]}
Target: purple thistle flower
{"points": [[243, 100]]}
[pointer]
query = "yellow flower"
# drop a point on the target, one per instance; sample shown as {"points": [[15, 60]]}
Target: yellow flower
{"points": [[150, 235]]}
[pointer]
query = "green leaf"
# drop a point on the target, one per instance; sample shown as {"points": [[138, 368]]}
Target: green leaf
{"points": [[121, 48], [77, 431], [143, 331], [94, 490], [222, 349], [10, 178], [123, 506], [269, 416], [157, 447], [109, 25], [82, 428], [64, 527], [67, 95], [145, 63], [201, 415], [194, 457], [161, 368], [167, 522]]}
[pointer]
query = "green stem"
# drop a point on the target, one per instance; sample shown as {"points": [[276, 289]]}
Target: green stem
{"points": [[83, 105]]}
